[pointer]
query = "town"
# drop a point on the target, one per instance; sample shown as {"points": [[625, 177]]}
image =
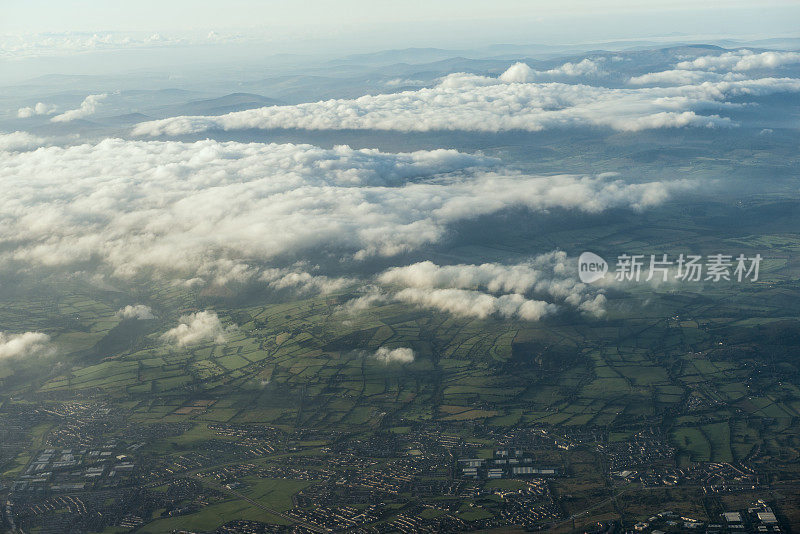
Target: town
{"points": [[427, 478]]}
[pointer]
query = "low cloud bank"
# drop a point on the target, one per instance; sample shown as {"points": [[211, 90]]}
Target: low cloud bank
{"points": [[40, 108], [741, 60], [513, 101], [527, 291], [14, 141], [222, 212], [197, 328], [88, 107], [136, 311], [399, 355], [13, 346]]}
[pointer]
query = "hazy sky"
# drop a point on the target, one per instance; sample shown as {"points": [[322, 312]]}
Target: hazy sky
{"points": [[93, 36], [34, 16]]}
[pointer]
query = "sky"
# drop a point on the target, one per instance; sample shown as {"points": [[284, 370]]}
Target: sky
{"points": [[40, 37], [435, 21], [182, 15]]}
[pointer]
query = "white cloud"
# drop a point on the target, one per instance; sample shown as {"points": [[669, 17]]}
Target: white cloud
{"points": [[585, 67], [304, 282], [477, 103], [24, 345], [523, 73], [400, 82], [197, 328], [398, 355], [466, 303], [518, 73], [725, 67], [683, 77], [39, 109], [372, 296], [741, 60], [87, 107], [136, 311], [19, 141], [493, 288], [217, 211], [494, 277], [595, 307], [29, 45]]}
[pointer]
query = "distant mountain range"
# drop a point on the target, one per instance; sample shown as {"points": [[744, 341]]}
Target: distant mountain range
{"points": [[216, 106]]}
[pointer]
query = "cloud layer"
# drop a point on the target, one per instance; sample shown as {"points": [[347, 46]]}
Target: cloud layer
{"points": [[741, 60], [39, 109], [196, 328], [24, 345], [684, 77], [399, 355], [136, 311], [304, 282], [528, 291], [714, 70], [522, 73], [466, 303], [19, 141], [511, 102], [87, 107], [210, 209]]}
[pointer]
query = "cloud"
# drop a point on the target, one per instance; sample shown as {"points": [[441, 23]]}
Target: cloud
{"points": [[372, 296], [19, 141], [683, 77], [594, 307], [399, 355], [400, 82], [87, 107], [523, 73], [24, 345], [585, 67], [741, 60], [220, 211], [725, 67], [19, 46], [518, 73], [304, 282], [136, 311], [470, 102], [197, 328], [494, 277], [465, 303], [39, 109], [529, 290]]}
